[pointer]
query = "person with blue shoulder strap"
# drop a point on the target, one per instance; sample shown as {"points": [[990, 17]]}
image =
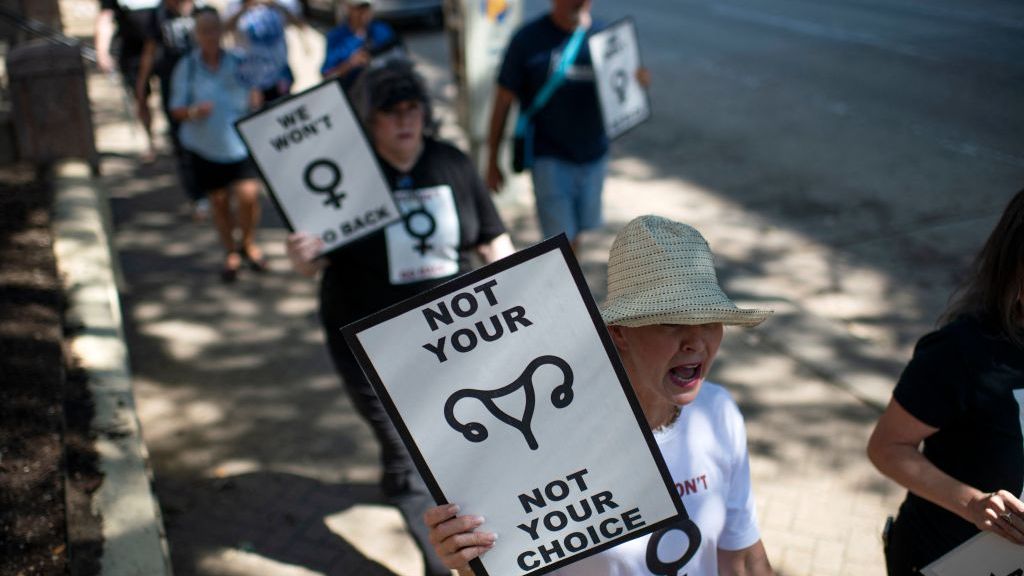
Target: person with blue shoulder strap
{"points": [[547, 69]]}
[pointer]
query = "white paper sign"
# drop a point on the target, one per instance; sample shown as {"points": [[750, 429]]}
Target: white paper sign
{"points": [[425, 244], [506, 388], [615, 54], [985, 554], [319, 166]]}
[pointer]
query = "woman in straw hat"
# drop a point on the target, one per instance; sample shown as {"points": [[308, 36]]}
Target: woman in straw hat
{"points": [[666, 315], [962, 397]]}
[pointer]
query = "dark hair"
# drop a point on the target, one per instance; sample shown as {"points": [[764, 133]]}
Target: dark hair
{"points": [[382, 87], [995, 286]]}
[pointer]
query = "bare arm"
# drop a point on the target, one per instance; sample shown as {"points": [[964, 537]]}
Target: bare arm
{"points": [[255, 99], [495, 249], [751, 561], [104, 34], [503, 99], [893, 449], [197, 111]]}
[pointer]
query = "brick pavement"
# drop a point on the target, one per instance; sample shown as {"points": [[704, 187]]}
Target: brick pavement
{"points": [[262, 467]]}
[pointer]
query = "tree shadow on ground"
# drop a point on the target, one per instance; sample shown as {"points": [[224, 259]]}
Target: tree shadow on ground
{"points": [[272, 516]]}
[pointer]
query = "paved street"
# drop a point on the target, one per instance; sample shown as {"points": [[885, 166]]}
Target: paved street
{"points": [[844, 159]]}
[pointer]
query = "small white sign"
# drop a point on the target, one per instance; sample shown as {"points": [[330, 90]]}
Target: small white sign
{"points": [[507, 390], [985, 553], [615, 54], [319, 167], [425, 244]]}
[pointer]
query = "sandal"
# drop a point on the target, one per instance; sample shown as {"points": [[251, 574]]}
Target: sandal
{"points": [[229, 273], [254, 258]]}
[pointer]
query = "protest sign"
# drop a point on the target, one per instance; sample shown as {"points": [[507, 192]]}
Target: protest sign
{"points": [[985, 553], [508, 392], [615, 54], [319, 167]]}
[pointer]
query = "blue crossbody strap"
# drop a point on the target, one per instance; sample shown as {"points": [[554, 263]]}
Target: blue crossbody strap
{"points": [[572, 49]]}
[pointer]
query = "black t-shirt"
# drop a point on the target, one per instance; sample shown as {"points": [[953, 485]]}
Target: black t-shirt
{"points": [[172, 32], [133, 20], [570, 126], [447, 213], [968, 382]]}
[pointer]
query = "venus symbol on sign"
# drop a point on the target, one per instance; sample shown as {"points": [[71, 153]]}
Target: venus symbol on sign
{"points": [[314, 180], [673, 567], [420, 224], [619, 83], [561, 397]]}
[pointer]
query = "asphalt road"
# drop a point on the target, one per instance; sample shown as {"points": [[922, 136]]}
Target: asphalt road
{"points": [[889, 133]]}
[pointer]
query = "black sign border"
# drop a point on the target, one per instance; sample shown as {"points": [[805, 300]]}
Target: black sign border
{"points": [[560, 243], [625, 21], [283, 101]]}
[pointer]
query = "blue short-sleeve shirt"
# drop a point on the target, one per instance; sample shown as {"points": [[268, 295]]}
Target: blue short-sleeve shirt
{"points": [[342, 43], [214, 137]]}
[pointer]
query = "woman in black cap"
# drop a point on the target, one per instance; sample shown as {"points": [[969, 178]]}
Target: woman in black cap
{"points": [[448, 216]]}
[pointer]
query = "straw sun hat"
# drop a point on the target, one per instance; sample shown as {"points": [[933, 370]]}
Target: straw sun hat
{"points": [[662, 272]]}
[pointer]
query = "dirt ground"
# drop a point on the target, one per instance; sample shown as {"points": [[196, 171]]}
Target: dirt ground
{"points": [[48, 466]]}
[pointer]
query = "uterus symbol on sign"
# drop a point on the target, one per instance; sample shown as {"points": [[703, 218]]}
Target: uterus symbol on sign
{"points": [[323, 176], [613, 47], [561, 396]]}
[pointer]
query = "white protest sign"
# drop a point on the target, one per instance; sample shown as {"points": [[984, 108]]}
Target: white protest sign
{"points": [[615, 54], [319, 167], [507, 390], [426, 245], [985, 553]]}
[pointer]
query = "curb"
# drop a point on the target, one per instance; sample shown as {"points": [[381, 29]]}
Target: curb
{"points": [[134, 539]]}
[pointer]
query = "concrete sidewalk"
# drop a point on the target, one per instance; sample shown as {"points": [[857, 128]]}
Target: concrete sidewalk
{"points": [[262, 467]]}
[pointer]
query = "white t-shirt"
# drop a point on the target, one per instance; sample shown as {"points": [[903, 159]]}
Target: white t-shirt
{"points": [[706, 454]]}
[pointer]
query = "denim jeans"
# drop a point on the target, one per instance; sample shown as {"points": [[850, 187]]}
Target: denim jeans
{"points": [[568, 195]]}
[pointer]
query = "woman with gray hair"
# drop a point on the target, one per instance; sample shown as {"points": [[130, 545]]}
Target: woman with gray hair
{"points": [[447, 216], [666, 315]]}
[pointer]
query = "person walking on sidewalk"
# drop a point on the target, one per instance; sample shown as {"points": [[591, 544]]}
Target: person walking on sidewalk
{"points": [[568, 142], [207, 97], [431, 181], [667, 345], [962, 396], [127, 21], [169, 37]]}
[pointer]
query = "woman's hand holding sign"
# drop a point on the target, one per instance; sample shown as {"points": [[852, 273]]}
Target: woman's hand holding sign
{"points": [[454, 537], [303, 250], [1000, 512]]}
